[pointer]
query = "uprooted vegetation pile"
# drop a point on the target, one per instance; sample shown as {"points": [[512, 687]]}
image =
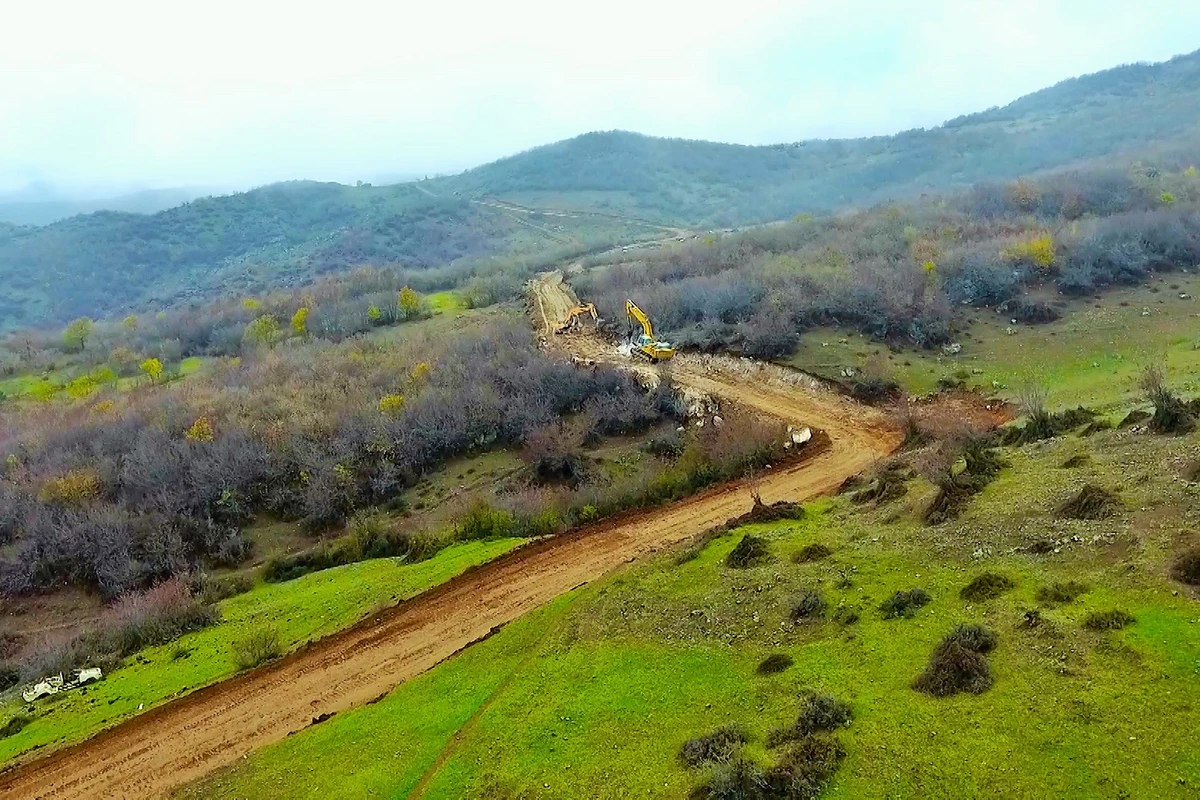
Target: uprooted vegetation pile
{"points": [[986, 586], [1064, 592], [1043, 424], [1090, 503], [750, 551], [1186, 568], [959, 663], [811, 755], [962, 478], [1111, 620]]}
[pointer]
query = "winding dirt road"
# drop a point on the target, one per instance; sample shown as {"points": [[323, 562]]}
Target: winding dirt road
{"points": [[180, 741]]}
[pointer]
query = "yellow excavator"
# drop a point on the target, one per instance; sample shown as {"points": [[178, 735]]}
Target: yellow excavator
{"points": [[646, 345], [574, 315]]}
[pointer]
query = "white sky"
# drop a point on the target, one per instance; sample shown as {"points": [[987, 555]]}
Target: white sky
{"points": [[128, 93]]}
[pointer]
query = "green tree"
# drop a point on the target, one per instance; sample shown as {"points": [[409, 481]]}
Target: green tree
{"points": [[130, 323], [77, 333]]}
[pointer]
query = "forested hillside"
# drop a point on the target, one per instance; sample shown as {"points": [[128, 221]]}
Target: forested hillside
{"points": [[706, 183], [109, 262]]}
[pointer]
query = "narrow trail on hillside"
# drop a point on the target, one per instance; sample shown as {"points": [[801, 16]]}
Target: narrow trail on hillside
{"points": [[151, 754]]}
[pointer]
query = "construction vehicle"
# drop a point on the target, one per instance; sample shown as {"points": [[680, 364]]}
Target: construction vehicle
{"points": [[646, 345], [575, 314]]}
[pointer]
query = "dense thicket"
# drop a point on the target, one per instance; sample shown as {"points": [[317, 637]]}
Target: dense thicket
{"points": [[116, 496], [897, 272]]}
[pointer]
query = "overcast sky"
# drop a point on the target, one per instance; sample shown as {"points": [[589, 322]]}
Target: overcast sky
{"points": [[127, 93]]}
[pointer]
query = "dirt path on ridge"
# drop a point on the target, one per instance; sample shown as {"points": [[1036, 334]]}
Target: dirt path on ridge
{"points": [[182, 740]]}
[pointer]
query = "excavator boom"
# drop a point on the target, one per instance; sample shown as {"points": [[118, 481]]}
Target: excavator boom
{"points": [[646, 345]]}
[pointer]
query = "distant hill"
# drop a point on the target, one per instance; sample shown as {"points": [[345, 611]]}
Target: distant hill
{"points": [[35, 210], [107, 262], [704, 183]]}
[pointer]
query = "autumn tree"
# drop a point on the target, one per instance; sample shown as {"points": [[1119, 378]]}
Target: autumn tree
{"points": [[77, 333], [153, 369], [409, 304], [262, 331], [300, 321]]}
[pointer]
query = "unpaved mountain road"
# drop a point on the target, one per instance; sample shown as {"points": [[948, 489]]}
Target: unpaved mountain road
{"points": [[182, 740]]}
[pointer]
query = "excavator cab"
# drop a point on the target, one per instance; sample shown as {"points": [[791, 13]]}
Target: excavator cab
{"points": [[646, 345]]}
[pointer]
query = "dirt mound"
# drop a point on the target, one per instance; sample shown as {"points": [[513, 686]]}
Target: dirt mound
{"points": [[1090, 503]]}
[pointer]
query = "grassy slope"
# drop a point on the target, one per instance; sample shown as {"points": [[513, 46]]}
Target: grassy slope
{"points": [[301, 611], [600, 689], [1092, 356], [597, 693]]}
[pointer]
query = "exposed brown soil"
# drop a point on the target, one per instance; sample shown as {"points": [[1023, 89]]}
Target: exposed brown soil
{"points": [[180, 741]]}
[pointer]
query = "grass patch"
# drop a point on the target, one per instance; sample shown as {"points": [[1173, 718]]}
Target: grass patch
{"points": [[986, 586], [259, 647], [904, 604], [1090, 503], [1112, 620], [1061, 592]]}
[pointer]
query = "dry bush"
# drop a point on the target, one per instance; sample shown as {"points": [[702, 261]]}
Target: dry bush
{"points": [[1186, 568], [14, 725], [1112, 620], [986, 586], [812, 552], [1171, 414], [959, 663], [904, 604], [751, 551], [776, 662], [1090, 503], [717, 747], [808, 605]]}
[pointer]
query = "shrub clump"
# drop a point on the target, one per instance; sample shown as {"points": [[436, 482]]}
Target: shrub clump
{"points": [[259, 647], [717, 747], [982, 464], [1090, 503], [1186, 568], [904, 604], [1061, 592], [1112, 620], [959, 663], [889, 484], [751, 551], [10, 676], [1043, 424], [985, 587], [1076, 461], [776, 662], [14, 725], [809, 605], [821, 713], [812, 552]]}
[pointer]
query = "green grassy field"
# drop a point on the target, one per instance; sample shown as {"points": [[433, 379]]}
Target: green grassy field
{"points": [[1092, 356], [594, 695], [300, 611]]}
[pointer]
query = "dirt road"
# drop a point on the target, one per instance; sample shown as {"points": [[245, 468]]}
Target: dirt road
{"points": [[182, 740]]}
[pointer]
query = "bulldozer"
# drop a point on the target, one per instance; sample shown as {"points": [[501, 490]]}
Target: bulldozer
{"points": [[646, 345], [576, 314]]}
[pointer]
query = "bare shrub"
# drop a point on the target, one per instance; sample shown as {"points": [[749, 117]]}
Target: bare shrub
{"points": [[959, 664], [751, 551], [1061, 592], [1112, 620], [1090, 503], [1186, 568], [812, 552], [808, 605], [904, 604], [986, 586], [717, 747]]}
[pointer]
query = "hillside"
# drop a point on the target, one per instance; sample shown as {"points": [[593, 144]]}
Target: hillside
{"points": [[32, 208], [706, 183], [108, 262]]}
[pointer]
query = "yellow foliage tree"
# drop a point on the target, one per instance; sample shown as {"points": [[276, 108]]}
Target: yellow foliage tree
{"points": [[251, 304], [262, 331], [374, 314], [420, 372], [130, 323], [1038, 251], [153, 369], [391, 404], [1191, 171], [409, 303], [77, 333], [200, 431], [77, 486], [300, 321], [1167, 199]]}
